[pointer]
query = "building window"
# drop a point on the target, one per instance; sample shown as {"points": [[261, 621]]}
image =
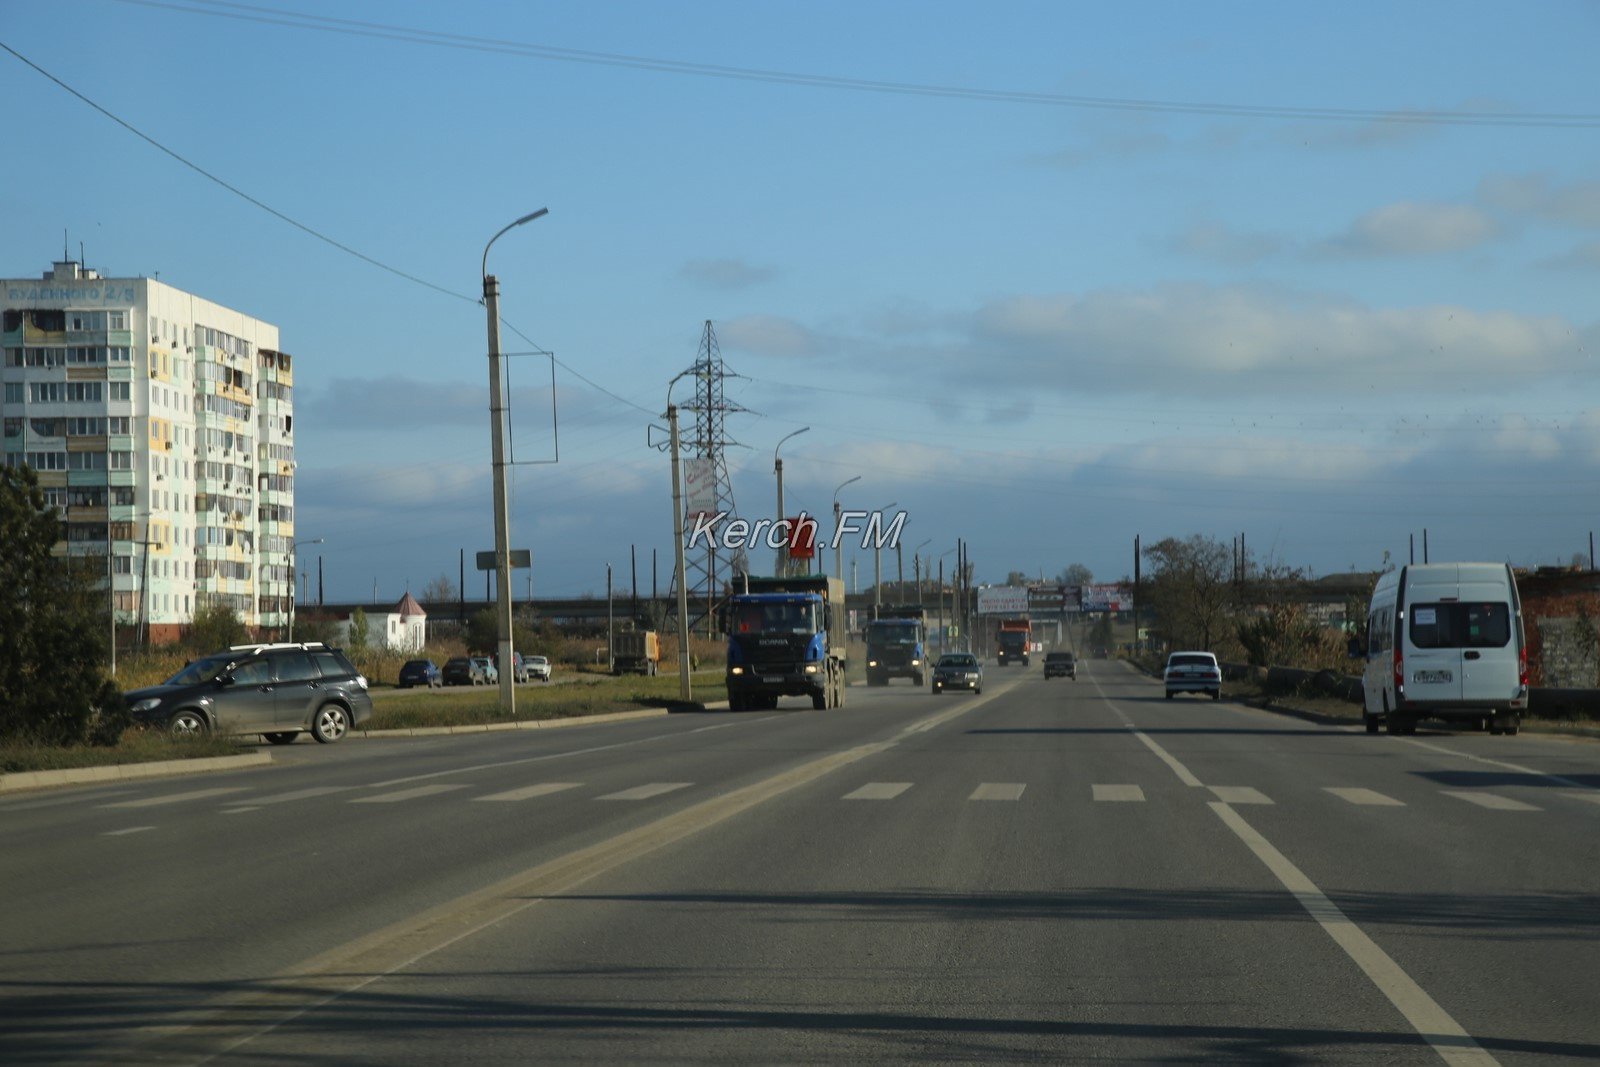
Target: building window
{"points": [[13, 392], [119, 390]]}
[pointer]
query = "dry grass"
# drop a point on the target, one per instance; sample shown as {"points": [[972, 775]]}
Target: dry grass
{"points": [[136, 746]]}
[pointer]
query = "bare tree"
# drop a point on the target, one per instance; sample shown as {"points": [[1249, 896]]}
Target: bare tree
{"points": [[1075, 574], [442, 590], [1190, 591]]}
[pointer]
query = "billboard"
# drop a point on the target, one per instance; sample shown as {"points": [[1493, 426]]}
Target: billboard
{"points": [[1112, 597], [802, 537], [1052, 598], [699, 487], [1003, 600]]}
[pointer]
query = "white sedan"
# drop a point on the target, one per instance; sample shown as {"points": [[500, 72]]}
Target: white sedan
{"points": [[1193, 672]]}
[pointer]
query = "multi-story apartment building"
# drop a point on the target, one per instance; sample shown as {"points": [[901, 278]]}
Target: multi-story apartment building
{"points": [[162, 427]]}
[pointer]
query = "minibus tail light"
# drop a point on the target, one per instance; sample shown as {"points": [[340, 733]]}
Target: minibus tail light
{"points": [[1522, 667], [1399, 671]]}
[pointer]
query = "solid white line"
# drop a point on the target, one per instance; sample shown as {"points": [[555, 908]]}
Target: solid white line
{"points": [[1166, 757], [1239, 794], [302, 794], [1489, 800], [1590, 795], [240, 811], [998, 791], [1453, 1044], [176, 798], [1496, 763], [406, 794], [1363, 796], [878, 791], [1118, 793], [527, 791], [528, 759], [129, 830], [645, 792]]}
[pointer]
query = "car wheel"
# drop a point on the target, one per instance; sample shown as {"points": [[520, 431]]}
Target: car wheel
{"points": [[1169, 694], [1216, 694], [281, 738], [188, 724], [1371, 722], [330, 723], [977, 689]]}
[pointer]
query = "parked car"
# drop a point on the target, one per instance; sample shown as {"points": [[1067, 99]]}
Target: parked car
{"points": [[463, 670], [420, 672], [1193, 672], [539, 667], [958, 670], [519, 667], [1064, 664], [485, 665], [275, 690]]}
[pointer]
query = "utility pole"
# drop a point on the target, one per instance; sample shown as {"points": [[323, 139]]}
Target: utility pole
{"points": [[1138, 593], [611, 659], [685, 690], [1424, 544], [781, 567]]}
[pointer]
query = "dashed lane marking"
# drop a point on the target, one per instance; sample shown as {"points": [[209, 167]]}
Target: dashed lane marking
{"points": [[1119, 793], [543, 789], [1363, 796], [407, 794], [1239, 794], [1493, 801], [176, 798], [878, 791], [998, 791], [645, 792]]}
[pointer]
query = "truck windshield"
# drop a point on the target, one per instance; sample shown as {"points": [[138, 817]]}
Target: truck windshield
{"points": [[784, 618], [893, 633]]}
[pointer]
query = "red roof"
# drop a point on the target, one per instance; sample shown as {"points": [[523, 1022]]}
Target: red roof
{"points": [[408, 607]]}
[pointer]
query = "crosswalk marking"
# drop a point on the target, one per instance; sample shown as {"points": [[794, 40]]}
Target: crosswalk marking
{"points": [[175, 798], [645, 792], [301, 794], [1363, 796], [527, 791], [1118, 792], [1489, 800], [129, 830], [407, 794], [878, 791], [1239, 794], [998, 791]]}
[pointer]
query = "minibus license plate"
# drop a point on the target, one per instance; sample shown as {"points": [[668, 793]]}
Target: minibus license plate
{"points": [[1426, 677]]}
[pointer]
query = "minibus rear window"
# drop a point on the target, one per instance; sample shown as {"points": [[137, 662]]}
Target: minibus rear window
{"points": [[1460, 625]]}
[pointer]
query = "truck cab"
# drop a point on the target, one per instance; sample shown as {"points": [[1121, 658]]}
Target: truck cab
{"points": [[781, 642], [896, 643]]}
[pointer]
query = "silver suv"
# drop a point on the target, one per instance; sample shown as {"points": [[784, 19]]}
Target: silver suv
{"points": [[277, 691]]}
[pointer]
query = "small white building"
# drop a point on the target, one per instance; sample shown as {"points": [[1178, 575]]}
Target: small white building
{"points": [[405, 629]]}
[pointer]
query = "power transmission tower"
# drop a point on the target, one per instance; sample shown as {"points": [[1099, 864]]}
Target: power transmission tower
{"points": [[711, 569]]}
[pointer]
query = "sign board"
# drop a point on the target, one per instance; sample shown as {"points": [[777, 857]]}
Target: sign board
{"points": [[699, 487], [1110, 597], [802, 537], [521, 559], [1052, 598], [1003, 600]]}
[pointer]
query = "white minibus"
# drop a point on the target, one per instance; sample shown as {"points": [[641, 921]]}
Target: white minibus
{"points": [[1445, 641]]}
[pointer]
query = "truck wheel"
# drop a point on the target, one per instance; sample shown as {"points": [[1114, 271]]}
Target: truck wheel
{"points": [[819, 701]]}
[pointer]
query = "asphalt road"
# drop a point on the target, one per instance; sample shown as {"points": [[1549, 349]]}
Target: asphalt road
{"points": [[1066, 871]]}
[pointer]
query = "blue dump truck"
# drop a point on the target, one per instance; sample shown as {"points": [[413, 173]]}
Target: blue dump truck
{"points": [[786, 637], [896, 645]]}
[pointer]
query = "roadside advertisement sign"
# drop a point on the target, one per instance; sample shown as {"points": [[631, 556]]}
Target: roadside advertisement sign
{"points": [[1003, 600], [1111, 597], [802, 537], [699, 488]]}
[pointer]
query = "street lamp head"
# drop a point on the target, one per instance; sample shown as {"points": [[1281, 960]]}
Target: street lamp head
{"points": [[784, 438], [857, 478], [526, 218]]}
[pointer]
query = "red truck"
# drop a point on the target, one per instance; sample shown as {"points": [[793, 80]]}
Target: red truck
{"points": [[1015, 639]]}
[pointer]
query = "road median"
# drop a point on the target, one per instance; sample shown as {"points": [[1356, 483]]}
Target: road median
{"points": [[19, 781]]}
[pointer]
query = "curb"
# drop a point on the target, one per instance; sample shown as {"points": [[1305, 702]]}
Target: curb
{"points": [[522, 724], [121, 772]]}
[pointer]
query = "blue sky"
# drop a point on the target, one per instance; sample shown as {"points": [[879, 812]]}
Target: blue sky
{"points": [[1043, 328]]}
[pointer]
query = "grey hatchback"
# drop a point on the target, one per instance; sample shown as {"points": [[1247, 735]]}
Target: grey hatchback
{"points": [[276, 691]]}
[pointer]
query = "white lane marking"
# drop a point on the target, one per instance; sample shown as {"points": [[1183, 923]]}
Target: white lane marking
{"points": [[1453, 1044], [998, 791], [406, 794], [1496, 763], [1488, 800], [1130, 793], [878, 791], [739, 722], [1239, 794], [543, 789], [1363, 796], [1183, 773], [58, 801], [645, 792], [563, 755], [301, 794], [1590, 795], [129, 830], [176, 798], [240, 811]]}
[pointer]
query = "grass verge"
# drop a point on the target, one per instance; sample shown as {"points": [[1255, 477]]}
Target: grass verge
{"points": [[476, 706], [135, 747]]}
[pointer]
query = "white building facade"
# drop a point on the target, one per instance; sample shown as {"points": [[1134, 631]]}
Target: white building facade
{"points": [[162, 427]]}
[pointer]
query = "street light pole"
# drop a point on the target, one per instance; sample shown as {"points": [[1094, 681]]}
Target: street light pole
{"points": [[497, 435], [685, 690], [838, 566], [294, 562], [877, 567], [781, 567]]}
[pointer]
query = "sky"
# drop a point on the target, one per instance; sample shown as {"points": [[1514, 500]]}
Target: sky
{"points": [[1046, 276]]}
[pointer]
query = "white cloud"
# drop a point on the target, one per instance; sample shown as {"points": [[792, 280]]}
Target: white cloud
{"points": [[1539, 196], [1216, 241], [1413, 229], [1583, 257], [770, 335], [726, 273]]}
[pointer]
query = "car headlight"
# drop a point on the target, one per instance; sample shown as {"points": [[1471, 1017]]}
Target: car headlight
{"points": [[872, 663], [147, 704], [361, 680], [737, 670]]}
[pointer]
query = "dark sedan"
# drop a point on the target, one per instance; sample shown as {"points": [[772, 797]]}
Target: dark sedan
{"points": [[958, 670], [463, 670], [420, 672]]}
